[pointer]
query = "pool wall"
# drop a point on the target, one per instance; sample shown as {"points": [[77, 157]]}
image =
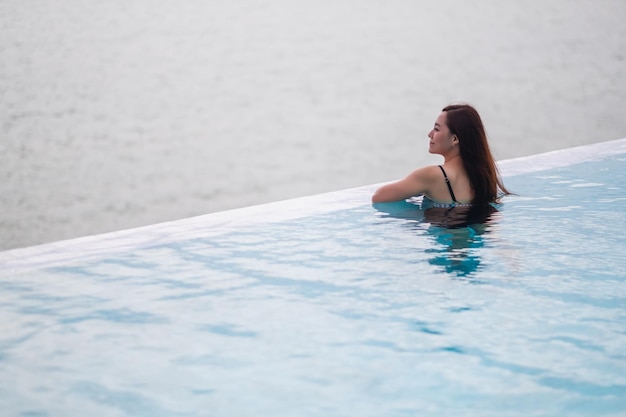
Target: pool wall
{"points": [[227, 221]]}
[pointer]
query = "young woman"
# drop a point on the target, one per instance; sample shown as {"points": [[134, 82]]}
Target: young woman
{"points": [[468, 177]]}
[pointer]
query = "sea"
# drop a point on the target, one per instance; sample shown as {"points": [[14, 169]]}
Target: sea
{"points": [[125, 113]]}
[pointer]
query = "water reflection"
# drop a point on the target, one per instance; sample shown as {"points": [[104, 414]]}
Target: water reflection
{"points": [[457, 232]]}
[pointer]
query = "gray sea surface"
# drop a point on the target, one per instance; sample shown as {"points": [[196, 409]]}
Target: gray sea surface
{"points": [[120, 114]]}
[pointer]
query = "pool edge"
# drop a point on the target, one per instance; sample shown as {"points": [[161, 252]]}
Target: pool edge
{"points": [[217, 223]]}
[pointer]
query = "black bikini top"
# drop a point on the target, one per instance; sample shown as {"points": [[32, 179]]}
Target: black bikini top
{"points": [[448, 184]]}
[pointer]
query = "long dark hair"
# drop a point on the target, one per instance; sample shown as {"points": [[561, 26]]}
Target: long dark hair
{"points": [[464, 122]]}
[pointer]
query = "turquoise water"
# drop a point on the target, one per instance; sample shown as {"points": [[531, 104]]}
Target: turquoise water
{"points": [[356, 312]]}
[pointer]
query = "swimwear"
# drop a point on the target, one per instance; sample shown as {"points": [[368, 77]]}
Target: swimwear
{"points": [[427, 202], [448, 184]]}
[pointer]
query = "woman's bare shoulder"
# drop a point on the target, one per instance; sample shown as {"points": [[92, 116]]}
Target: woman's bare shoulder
{"points": [[417, 182], [427, 173]]}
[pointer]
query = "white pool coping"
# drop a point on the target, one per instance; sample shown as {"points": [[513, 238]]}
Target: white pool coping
{"points": [[213, 224]]}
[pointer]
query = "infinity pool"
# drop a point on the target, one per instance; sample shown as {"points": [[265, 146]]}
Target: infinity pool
{"points": [[327, 306]]}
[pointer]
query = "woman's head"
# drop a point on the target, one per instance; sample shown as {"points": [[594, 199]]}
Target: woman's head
{"points": [[464, 122]]}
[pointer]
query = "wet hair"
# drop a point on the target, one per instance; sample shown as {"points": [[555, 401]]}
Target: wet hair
{"points": [[464, 122]]}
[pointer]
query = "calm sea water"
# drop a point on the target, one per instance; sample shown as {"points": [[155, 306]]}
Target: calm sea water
{"points": [[124, 113]]}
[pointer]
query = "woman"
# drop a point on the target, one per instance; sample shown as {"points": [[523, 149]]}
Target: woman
{"points": [[468, 177]]}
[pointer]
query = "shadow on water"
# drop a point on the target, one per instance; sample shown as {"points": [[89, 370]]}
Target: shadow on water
{"points": [[457, 232]]}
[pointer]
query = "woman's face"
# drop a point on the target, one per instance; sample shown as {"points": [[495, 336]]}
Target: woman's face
{"points": [[441, 140]]}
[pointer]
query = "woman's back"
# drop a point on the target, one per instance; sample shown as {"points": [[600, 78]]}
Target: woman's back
{"points": [[456, 189], [469, 174]]}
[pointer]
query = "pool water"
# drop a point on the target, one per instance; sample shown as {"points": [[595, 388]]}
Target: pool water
{"points": [[362, 311]]}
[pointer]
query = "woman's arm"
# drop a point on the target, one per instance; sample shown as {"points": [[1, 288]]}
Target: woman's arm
{"points": [[417, 182]]}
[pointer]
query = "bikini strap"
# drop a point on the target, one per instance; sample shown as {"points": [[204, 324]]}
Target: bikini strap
{"points": [[448, 183]]}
